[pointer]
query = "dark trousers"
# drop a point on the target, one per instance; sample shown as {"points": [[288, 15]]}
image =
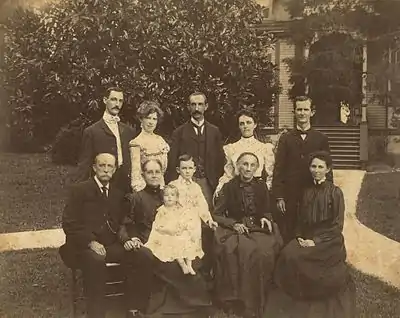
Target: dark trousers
{"points": [[94, 273], [287, 222]]}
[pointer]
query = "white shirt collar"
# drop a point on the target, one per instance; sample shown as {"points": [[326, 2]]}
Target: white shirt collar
{"points": [[184, 181], [308, 127], [197, 123], [252, 138], [110, 119], [320, 181], [100, 185]]}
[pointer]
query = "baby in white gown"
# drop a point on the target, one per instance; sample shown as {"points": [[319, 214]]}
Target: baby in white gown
{"points": [[176, 232]]}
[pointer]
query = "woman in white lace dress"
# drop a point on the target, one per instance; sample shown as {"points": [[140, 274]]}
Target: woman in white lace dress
{"points": [[147, 145], [247, 121]]}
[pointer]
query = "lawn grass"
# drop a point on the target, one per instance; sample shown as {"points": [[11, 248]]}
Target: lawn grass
{"points": [[31, 192], [35, 283], [378, 206]]}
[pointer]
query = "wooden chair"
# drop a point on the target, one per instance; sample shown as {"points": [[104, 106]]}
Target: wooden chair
{"points": [[114, 285]]}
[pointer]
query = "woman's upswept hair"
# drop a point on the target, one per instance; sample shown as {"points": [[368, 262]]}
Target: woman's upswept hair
{"points": [[149, 107], [321, 155], [144, 164]]}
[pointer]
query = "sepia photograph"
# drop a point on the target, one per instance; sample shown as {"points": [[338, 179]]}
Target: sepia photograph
{"points": [[200, 158]]}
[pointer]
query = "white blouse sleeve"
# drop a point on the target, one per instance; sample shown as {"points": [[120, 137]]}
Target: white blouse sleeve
{"points": [[269, 162], [229, 168], [136, 169]]}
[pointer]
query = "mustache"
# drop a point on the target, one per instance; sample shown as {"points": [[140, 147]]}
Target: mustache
{"points": [[196, 112]]}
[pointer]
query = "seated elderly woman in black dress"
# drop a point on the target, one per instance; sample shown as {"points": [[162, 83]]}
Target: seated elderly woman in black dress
{"points": [[245, 242], [312, 266]]}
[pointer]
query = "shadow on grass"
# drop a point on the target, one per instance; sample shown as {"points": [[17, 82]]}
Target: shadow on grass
{"points": [[32, 192], [35, 283], [378, 205]]}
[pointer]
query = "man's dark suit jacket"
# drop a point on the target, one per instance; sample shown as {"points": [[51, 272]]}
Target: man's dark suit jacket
{"points": [[291, 171], [87, 212], [184, 142], [98, 138]]}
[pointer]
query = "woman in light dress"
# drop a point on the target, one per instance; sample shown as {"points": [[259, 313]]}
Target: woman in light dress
{"points": [[147, 145], [247, 121]]}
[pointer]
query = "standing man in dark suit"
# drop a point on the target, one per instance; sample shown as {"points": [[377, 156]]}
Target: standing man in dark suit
{"points": [[108, 135], [202, 141], [91, 221], [291, 173]]}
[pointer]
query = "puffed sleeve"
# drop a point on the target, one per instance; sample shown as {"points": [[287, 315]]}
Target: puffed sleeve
{"points": [[164, 149], [229, 168], [336, 227], [137, 182], [269, 162]]}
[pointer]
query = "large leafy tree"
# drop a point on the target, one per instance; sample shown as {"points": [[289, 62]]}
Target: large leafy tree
{"points": [[160, 49]]}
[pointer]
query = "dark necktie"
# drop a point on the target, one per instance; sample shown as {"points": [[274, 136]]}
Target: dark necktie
{"points": [[104, 192], [198, 129]]}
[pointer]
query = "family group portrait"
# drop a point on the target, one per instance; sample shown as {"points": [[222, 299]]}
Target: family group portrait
{"points": [[205, 159]]}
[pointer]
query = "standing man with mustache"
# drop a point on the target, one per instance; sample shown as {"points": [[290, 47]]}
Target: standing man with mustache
{"points": [[108, 135], [291, 174], [203, 142]]}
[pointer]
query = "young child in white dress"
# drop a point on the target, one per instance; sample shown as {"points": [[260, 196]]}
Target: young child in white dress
{"points": [[176, 232]]}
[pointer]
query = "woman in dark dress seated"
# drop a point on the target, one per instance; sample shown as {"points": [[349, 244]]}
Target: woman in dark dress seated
{"points": [[312, 267], [246, 243]]}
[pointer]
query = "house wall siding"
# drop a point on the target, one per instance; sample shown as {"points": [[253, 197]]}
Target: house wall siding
{"points": [[286, 50]]}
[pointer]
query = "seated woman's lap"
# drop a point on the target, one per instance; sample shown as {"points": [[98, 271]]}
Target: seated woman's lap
{"points": [[312, 272]]}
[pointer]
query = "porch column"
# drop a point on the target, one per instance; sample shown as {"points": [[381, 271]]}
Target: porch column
{"points": [[364, 122], [306, 55]]}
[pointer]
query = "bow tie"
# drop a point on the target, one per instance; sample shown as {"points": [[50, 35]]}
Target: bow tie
{"points": [[110, 119], [113, 120]]}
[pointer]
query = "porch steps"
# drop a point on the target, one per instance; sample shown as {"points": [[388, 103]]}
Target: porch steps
{"points": [[344, 143]]}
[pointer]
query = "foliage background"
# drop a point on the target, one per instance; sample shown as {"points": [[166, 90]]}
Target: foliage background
{"points": [[59, 60], [337, 68]]}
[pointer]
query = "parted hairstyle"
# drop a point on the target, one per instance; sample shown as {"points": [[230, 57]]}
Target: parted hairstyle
{"points": [[321, 155], [108, 91], [247, 153], [144, 164], [247, 112], [303, 99], [185, 157]]}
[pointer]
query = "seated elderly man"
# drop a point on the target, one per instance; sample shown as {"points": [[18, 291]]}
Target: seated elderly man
{"points": [[247, 241], [91, 221]]}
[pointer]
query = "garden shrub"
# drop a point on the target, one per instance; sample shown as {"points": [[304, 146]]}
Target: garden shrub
{"points": [[59, 61]]}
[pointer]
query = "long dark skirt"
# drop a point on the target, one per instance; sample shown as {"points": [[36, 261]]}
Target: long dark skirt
{"points": [[312, 273], [340, 305], [243, 267], [175, 294]]}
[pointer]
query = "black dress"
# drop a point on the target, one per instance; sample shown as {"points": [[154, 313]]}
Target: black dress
{"points": [[244, 262], [318, 273]]}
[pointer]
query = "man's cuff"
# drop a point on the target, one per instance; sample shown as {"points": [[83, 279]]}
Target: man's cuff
{"points": [[136, 239]]}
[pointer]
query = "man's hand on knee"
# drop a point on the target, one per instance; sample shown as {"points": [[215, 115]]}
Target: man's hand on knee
{"points": [[97, 248]]}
